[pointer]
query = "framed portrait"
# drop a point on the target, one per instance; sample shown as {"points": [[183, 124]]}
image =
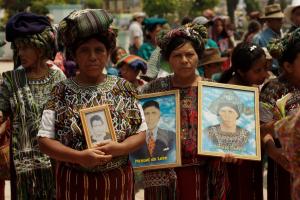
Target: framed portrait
{"points": [[228, 120], [162, 146], [97, 124]]}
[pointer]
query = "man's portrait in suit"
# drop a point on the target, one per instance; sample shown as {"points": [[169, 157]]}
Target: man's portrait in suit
{"points": [[159, 142], [98, 129]]}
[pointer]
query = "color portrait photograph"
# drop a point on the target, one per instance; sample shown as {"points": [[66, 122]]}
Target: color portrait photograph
{"points": [[162, 142], [228, 121]]}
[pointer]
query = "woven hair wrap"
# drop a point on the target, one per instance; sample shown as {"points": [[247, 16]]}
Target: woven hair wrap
{"points": [[31, 29], [82, 24], [278, 47], [195, 32]]}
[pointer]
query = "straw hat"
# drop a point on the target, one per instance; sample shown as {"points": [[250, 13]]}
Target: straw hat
{"points": [[210, 56], [138, 14], [288, 11], [273, 11]]}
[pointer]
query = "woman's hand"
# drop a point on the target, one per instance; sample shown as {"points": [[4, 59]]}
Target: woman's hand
{"points": [[277, 155], [130, 144], [112, 148], [267, 128], [90, 158], [3, 128], [229, 158]]}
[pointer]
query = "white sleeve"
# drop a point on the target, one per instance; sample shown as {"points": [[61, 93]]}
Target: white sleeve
{"points": [[143, 126], [47, 128]]}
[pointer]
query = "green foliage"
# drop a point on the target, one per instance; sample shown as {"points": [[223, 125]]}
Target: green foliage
{"points": [[160, 7], [39, 7], [252, 5], [200, 5], [93, 3], [163, 8]]}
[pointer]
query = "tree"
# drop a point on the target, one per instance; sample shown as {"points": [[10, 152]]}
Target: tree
{"points": [[231, 6], [160, 7], [180, 8], [252, 5], [93, 3], [39, 8], [200, 5]]}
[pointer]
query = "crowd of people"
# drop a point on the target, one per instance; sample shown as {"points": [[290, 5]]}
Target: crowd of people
{"points": [[59, 70]]}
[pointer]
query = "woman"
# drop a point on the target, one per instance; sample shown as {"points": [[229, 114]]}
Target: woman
{"points": [[4, 153], [152, 28], [288, 132], [24, 92], [221, 36], [211, 63], [287, 51], [227, 135], [102, 172], [249, 68], [130, 67], [224, 40], [253, 28], [182, 48]]}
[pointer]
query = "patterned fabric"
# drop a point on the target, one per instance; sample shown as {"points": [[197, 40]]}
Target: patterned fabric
{"points": [[151, 143], [271, 92], [23, 100], [30, 29], [82, 24], [164, 181], [278, 47], [133, 61], [194, 32], [278, 178], [44, 40], [68, 98], [113, 184], [191, 184], [228, 140], [288, 130]]}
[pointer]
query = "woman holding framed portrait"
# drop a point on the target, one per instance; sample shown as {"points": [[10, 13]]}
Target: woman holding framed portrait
{"points": [[182, 48], [102, 171], [249, 68]]}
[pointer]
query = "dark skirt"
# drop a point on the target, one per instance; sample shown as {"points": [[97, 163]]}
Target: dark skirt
{"points": [[246, 180], [112, 184], [190, 183], [2, 187], [279, 182]]}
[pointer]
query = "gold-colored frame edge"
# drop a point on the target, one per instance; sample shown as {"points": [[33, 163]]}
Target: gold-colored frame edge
{"points": [[178, 141], [257, 125], [105, 108]]}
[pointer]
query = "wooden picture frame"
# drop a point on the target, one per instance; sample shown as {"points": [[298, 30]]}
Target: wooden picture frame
{"points": [[95, 120], [228, 118], [162, 115]]}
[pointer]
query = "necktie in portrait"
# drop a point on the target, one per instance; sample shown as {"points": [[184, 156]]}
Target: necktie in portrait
{"points": [[151, 143]]}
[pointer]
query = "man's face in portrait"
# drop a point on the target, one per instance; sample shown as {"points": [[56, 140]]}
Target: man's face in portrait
{"points": [[152, 116], [97, 126]]}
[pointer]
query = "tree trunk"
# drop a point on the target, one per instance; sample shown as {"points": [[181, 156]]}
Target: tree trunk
{"points": [[231, 6]]}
